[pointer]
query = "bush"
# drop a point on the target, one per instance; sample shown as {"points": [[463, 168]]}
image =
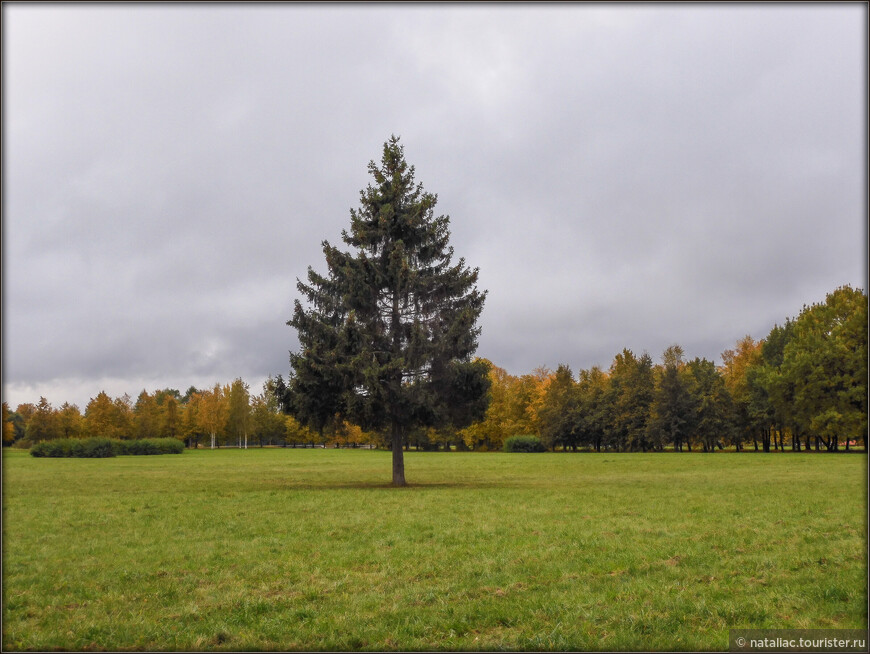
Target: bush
{"points": [[96, 448], [524, 444], [90, 448], [93, 448], [145, 446]]}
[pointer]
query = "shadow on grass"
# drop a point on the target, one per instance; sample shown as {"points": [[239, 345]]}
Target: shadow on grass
{"points": [[333, 485]]}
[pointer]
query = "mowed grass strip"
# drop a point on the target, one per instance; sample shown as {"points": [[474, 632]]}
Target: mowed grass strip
{"points": [[309, 549]]}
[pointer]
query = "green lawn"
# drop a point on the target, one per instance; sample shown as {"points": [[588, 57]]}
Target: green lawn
{"points": [[311, 549]]}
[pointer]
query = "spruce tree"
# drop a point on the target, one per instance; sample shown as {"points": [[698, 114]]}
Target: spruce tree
{"points": [[389, 331]]}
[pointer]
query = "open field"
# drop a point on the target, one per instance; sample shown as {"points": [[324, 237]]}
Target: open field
{"points": [[311, 549]]}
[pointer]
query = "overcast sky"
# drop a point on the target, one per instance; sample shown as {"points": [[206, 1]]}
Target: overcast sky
{"points": [[623, 176]]}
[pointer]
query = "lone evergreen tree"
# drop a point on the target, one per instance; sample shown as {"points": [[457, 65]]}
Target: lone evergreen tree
{"points": [[387, 338]]}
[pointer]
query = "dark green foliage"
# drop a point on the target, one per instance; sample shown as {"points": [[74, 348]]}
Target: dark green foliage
{"points": [[94, 448], [670, 420], [773, 392], [147, 446], [87, 448], [711, 419], [524, 444], [594, 407], [559, 415], [632, 387], [388, 337], [825, 363]]}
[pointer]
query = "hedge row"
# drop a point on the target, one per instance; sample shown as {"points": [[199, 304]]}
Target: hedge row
{"points": [[94, 448], [524, 444], [149, 446]]}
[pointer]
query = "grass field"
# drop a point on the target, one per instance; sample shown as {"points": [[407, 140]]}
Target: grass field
{"points": [[311, 549]]}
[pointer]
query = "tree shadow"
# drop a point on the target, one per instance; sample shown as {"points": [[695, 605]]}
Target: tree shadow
{"points": [[357, 485]]}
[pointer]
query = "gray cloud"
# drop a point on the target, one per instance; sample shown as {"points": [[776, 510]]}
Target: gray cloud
{"points": [[622, 176]]}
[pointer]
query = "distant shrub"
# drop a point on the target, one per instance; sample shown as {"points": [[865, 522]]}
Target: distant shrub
{"points": [[524, 444], [144, 446], [95, 448], [88, 448]]}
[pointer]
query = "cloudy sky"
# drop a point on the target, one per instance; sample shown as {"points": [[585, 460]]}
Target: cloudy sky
{"points": [[623, 176]]}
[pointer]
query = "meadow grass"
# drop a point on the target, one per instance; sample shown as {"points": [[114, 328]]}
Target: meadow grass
{"points": [[309, 549]]}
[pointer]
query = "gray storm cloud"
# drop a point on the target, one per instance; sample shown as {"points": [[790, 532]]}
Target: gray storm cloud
{"points": [[622, 176]]}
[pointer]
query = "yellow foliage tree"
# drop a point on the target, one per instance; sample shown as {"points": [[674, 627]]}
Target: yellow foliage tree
{"points": [[8, 427], [170, 418], [297, 434], [146, 416], [513, 409], [190, 430], [107, 418], [71, 424], [212, 415]]}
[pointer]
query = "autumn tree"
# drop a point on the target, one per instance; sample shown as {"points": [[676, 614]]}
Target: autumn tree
{"points": [[425, 438], [20, 417], [514, 405], [559, 412], [146, 416], [593, 393], [632, 388], [711, 404], [188, 394], [8, 425], [387, 339], [107, 418], [267, 422], [826, 364], [500, 419], [100, 416], [529, 400], [296, 433], [738, 373], [124, 411], [43, 425], [212, 412], [670, 412], [168, 403], [70, 421], [192, 429], [238, 421], [771, 391]]}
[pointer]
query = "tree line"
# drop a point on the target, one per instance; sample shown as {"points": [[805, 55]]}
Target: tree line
{"points": [[802, 388], [225, 415]]}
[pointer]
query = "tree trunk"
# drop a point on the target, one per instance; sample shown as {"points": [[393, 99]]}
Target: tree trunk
{"points": [[398, 457]]}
